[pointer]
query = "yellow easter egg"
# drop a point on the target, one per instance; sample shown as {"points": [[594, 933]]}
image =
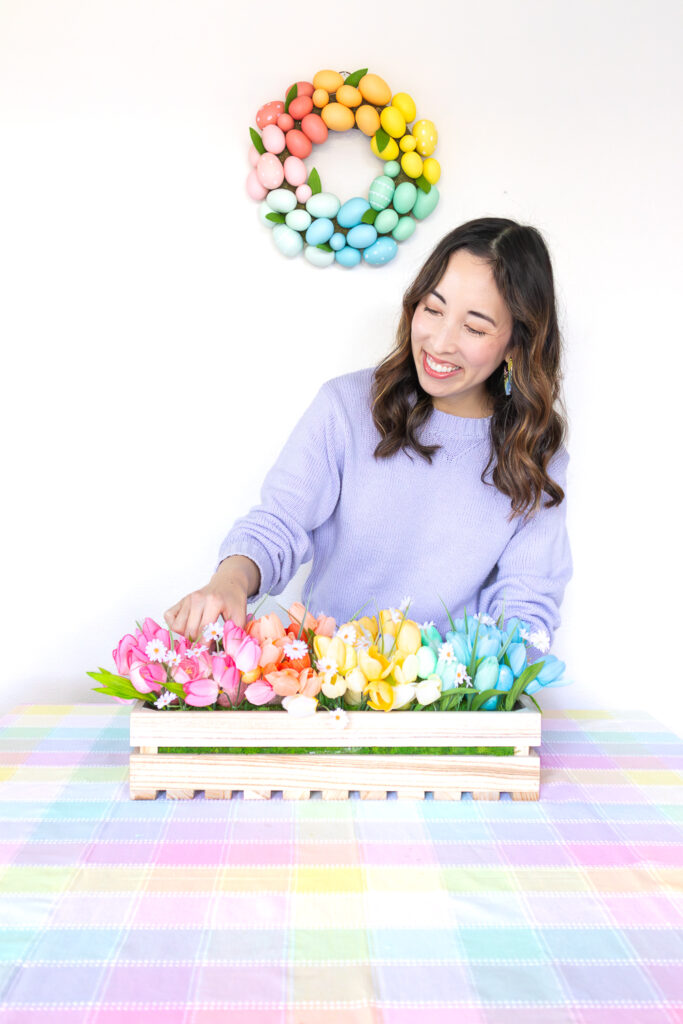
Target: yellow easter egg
{"points": [[337, 117], [390, 151], [432, 170], [407, 143], [393, 122], [406, 104], [412, 164], [349, 96], [426, 136], [321, 98], [330, 81], [374, 89], [367, 119]]}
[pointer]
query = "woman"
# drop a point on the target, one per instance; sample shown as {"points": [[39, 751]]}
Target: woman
{"points": [[382, 482]]}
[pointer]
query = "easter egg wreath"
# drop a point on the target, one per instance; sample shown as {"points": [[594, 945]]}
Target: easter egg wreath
{"points": [[293, 204]]}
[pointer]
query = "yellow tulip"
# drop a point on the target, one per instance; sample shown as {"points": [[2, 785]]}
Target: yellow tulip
{"points": [[368, 624], [356, 682], [373, 664], [406, 671], [380, 694], [334, 687], [409, 638], [402, 695], [320, 645], [336, 650]]}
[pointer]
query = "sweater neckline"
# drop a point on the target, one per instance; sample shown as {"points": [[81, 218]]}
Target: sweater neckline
{"points": [[449, 425]]}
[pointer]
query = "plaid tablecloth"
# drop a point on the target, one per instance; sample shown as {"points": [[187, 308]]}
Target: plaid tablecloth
{"points": [[316, 912]]}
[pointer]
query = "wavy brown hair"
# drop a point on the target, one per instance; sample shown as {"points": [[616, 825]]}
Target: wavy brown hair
{"points": [[526, 427]]}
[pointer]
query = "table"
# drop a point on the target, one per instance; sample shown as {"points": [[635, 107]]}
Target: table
{"points": [[396, 912]]}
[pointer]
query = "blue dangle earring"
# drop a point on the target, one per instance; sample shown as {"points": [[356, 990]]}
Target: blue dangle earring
{"points": [[507, 375]]}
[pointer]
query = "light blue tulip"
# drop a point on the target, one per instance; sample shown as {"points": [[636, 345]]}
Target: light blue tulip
{"points": [[489, 704], [432, 638], [486, 675], [462, 648], [446, 671], [426, 662], [487, 645], [552, 669], [505, 678], [516, 655]]}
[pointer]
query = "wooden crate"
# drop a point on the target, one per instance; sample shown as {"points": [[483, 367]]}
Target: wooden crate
{"points": [[335, 775]]}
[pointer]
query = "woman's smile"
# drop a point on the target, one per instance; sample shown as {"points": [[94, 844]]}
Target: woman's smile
{"points": [[438, 368]]}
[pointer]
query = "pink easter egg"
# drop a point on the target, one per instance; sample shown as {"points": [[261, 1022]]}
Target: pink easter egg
{"points": [[304, 193], [298, 144], [269, 171], [255, 189], [302, 89], [285, 121], [253, 155], [295, 170], [301, 106], [269, 113], [314, 128], [273, 138]]}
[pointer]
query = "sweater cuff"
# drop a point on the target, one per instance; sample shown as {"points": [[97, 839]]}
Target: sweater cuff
{"points": [[251, 548]]}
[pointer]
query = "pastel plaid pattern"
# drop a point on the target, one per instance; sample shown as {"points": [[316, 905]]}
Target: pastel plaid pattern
{"points": [[115, 911]]}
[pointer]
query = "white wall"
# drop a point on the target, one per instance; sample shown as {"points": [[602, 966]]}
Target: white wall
{"points": [[158, 349]]}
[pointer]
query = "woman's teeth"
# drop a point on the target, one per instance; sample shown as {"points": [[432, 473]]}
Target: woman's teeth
{"points": [[440, 367]]}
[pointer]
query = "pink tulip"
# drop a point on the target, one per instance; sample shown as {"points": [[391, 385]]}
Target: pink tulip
{"points": [[227, 678], [147, 677], [126, 653], [191, 669], [325, 626], [267, 627], [151, 630], [260, 692], [201, 692], [245, 651], [296, 615]]}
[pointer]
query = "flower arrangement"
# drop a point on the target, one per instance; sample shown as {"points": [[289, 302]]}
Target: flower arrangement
{"points": [[384, 663]]}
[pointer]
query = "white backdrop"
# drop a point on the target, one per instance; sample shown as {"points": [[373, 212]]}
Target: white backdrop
{"points": [[158, 349]]}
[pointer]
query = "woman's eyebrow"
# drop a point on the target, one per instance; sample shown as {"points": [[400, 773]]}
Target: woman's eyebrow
{"points": [[471, 312]]}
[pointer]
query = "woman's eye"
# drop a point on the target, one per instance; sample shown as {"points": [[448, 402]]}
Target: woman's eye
{"points": [[472, 330], [428, 310]]}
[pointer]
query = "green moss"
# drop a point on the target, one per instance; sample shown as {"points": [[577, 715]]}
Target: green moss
{"points": [[495, 751]]}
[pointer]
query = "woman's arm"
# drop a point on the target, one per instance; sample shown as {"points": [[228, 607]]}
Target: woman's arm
{"points": [[536, 565]]}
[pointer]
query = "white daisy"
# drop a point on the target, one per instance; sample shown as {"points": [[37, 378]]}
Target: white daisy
{"points": [[213, 631], [327, 665], [347, 633], [524, 633], [394, 614], [541, 640], [403, 607], [155, 650], [461, 676], [339, 718], [296, 649], [194, 652], [363, 643], [426, 625], [164, 699], [446, 652], [173, 658], [487, 620]]}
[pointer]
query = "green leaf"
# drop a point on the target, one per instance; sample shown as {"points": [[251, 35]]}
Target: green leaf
{"points": [[314, 182], [422, 183], [325, 247], [448, 613], [106, 677], [482, 697], [290, 96], [257, 140], [369, 217], [382, 139], [467, 628], [532, 698], [117, 686], [355, 78], [527, 676], [470, 667], [175, 688], [277, 218]]}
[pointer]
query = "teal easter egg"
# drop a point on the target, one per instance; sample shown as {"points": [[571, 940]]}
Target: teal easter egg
{"points": [[392, 168], [381, 251], [298, 219], [263, 211], [323, 204], [381, 191], [403, 229], [338, 241], [425, 202], [318, 257], [288, 241], [426, 662], [320, 230], [404, 197], [348, 257], [282, 200], [385, 222], [361, 236], [351, 213]]}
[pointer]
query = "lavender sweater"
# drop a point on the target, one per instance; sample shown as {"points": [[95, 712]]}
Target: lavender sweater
{"points": [[390, 528]]}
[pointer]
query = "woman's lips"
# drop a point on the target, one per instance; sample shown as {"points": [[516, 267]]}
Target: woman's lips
{"points": [[435, 373]]}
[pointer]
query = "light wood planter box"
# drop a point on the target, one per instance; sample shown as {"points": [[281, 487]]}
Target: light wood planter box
{"points": [[335, 775]]}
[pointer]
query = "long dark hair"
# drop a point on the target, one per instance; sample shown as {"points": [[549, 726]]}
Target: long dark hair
{"points": [[526, 428]]}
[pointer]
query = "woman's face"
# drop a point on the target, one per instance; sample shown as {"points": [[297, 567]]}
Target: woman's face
{"points": [[462, 323]]}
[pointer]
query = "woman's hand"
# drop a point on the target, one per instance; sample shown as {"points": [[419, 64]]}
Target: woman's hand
{"points": [[226, 594]]}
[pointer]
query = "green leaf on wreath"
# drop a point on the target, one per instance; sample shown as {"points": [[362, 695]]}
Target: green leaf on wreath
{"points": [[290, 96], [314, 182], [257, 140], [369, 217], [355, 78], [277, 218], [382, 139], [422, 183], [325, 247]]}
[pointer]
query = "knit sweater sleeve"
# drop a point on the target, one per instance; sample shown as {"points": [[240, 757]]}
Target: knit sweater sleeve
{"points": [[536, 565], [299, 493]]}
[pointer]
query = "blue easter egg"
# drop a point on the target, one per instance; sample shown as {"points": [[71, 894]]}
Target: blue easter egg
{"points": [[381, 251], [320, 230], [361, 236], [351, 213], [348, 257], [338, 241]]}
